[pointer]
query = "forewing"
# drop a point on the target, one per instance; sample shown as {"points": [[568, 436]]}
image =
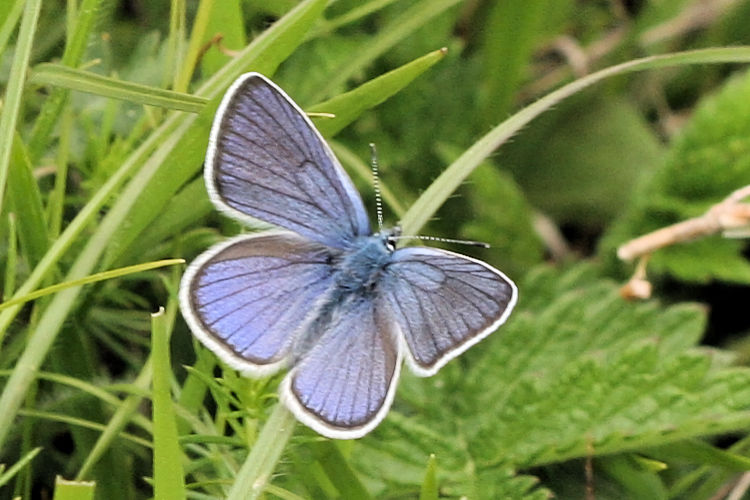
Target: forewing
{"points": [[246, 298], [444, 303], [344, 386], [266, 160]]}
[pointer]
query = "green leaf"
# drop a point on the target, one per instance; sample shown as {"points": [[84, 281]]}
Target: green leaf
{"points": [[577, 372], [226, 20], [396, 30], [709, 160], [452, 177], [169, 477], [508, 39], [272, 47], [429, 490], [26, 202], [73, 490], [86, 81], [348, 106], [14, 90]]}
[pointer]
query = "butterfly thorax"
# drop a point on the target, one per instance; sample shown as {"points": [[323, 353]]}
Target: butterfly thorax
{"points": [[362, 265]]}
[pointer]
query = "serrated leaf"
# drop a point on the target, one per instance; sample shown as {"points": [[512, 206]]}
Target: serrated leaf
{"points": [[577, 372], [706, 162]]}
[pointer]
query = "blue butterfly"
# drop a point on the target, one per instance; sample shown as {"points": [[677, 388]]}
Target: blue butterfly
{"points": [[338, 305]]}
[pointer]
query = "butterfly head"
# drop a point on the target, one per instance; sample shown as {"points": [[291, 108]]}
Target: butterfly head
{"points": [[389, 237]]}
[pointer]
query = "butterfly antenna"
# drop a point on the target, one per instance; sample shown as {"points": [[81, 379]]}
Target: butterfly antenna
{"points": [[376, 185], [470, 243]]}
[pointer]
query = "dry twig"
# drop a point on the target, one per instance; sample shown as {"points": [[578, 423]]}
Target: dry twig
{"points": [[731, 217]]}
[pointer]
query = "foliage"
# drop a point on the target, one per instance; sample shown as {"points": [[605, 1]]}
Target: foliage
{"points": [[709, 160], [578, 372], [103, 130]]}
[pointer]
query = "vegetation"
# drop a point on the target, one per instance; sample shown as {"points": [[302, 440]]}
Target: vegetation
{"points": [[554, 130]]}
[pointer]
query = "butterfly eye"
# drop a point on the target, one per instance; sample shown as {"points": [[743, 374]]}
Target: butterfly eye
{"points": [[390, 238], [390, 243]]}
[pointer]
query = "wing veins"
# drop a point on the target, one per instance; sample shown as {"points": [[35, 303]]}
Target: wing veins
{"points": [[262, 186], [260, 166], [309, 152], [235, 292], [258, 271], [247, 303], [282, 103], [332, 187], [424, 316], [272, 137]]}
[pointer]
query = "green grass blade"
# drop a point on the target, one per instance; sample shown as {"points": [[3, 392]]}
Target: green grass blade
{"points": [[339, 470], [256, 472], [105, 275], [83, 423], [429, 489], [348, 106], [72, 56], [86, 81], [56, 201], [285, 35], [186, 207], [269, 49], [105, 395], [452, 177], [73, 490], [16, 467], [12, 15], [508, 42], [126, 412], [26, 200], [410, 20], [226, 19], [14, 90], [637, 480], [355, 14], [175, 49], [195, 44], [700, 452], [169, 477], [87, 214], [11, 258]]}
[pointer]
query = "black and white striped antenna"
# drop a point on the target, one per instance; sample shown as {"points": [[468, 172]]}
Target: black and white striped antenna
{"points": [[379, 209], [376, 185]]}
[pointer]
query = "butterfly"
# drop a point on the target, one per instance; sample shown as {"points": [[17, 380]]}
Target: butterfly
{"points": [[321, 294]]}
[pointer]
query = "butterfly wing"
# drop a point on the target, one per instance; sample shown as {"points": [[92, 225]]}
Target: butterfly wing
{"points": [[246, 298], [344, 385], [266, 160], [444, 303]]}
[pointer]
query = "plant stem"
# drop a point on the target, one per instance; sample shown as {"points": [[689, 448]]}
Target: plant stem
{"points": [[261, 462]]}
